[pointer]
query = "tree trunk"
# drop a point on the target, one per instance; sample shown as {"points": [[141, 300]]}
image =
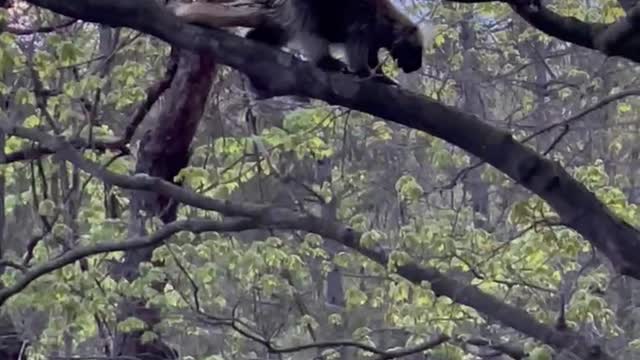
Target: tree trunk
{"points": [[164, 151]]}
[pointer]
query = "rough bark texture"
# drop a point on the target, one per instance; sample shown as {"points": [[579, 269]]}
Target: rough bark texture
{"points": [[163, 152]]}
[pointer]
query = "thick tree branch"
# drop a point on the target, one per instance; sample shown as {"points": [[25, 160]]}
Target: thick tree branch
{"points": [[163, 151], [193, 225], [620, 32], [617, 39], [567, 28], [286, 219]]}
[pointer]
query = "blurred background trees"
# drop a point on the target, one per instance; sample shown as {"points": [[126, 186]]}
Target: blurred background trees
{"points": [[132, 104]]}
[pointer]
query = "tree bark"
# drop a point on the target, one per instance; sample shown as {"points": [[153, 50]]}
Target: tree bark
{"points": [[163, 152]]}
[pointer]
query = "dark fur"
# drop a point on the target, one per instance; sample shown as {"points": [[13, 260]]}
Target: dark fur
{"points": [[363, 26]]}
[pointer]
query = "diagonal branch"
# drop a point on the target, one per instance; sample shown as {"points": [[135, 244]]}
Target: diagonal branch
{"points": [[616, 39], [240, 326], [73, 255], [620, 32]]}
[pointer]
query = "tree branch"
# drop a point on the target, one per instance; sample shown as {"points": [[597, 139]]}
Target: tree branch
{"points": [[616, 39], [381, 354], [40, 30], [619, 33], [193, 225]]}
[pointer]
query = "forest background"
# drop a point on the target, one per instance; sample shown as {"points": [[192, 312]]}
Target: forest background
{"points": [[150, 208]]}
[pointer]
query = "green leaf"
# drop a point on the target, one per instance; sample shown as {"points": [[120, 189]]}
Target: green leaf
{"points": [[398, 258], [62, 231], [308, 320], [409, 188], [24, 97], [148, 336], [330, 354], [6, 61], [439, 40], [131, 324], [623, 107], [47, 208], [32, 121], [371, 239], [635, 344], [342, 259], [540, 353], [355, 297], [335, 319], [313, 240], [359, 222], [382, 130], [194, 177]]}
